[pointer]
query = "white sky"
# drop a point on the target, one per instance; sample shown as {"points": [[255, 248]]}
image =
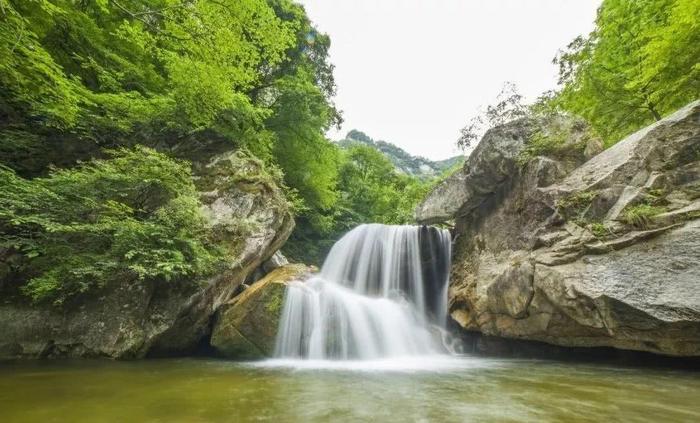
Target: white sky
{"points": [[412, 72]]}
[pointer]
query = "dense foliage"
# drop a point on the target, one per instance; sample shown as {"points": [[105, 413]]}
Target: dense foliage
{"points": [[105, 73], [641, 62], [135, 215], [370, 189], [103, 104], [80, 76]]}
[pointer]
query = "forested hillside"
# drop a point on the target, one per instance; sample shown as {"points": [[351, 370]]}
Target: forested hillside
{"points": [[403, 161], [104, 105]]}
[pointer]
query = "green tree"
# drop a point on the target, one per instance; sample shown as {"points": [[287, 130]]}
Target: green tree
{"points": [[370, 190], [183, 76], [80, 75], [299, 93], [642, 61]]}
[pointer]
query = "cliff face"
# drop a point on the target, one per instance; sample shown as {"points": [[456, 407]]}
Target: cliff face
{"points": [[251, 219], [603, 252]]}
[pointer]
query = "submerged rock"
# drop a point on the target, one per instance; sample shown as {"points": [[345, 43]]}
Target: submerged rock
{"points": [[603, 253], [246, 327], [251, 220]]}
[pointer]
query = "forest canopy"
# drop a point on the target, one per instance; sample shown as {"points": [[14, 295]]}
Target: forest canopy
{"points": [[95, 96], [640, 63]]}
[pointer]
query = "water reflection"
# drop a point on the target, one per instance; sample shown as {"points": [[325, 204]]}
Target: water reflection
{"points": [[472, 389]]}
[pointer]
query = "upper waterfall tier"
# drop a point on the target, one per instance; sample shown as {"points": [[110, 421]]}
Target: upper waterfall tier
{"points": [[387, 261]]}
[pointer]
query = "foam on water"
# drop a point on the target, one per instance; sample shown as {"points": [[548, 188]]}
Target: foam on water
{"points": [[408, 364]]}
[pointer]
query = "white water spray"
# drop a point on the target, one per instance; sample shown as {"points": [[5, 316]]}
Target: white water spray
{"points": [[381, 293]]}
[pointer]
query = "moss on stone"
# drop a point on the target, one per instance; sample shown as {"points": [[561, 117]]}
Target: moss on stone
{"points": [[641, 215], [247, 326], [575, 205], [557, 138], [275, 302], [599, 229]]}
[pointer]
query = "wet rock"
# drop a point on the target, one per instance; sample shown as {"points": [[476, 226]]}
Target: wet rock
{"points": [[246, 327]]}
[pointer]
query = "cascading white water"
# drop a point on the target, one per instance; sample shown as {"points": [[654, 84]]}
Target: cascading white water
{"points": [[381, 293]]}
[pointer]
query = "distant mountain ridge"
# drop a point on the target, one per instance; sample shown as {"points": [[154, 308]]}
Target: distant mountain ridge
{"points": [[402, 160]]}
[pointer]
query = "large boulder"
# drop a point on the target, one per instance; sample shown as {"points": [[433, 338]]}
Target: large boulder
{"points": [[246, 327], [251, 220], [490, 164], [605, 254]]}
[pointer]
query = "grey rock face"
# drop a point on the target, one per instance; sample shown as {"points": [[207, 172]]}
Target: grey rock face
{"points": [[667, 143], [277, 260], [250, 218], [489, 165], [606, 254], [444, 201]]}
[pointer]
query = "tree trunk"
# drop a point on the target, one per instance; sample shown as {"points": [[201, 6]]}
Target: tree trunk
{"points": [[654, 113]]}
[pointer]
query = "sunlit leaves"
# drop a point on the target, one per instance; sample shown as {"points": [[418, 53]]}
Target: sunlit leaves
{"points": [[137, 69], [640, 63]]}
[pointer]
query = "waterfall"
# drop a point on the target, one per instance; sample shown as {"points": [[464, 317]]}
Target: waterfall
{"points": [[381, 293]]}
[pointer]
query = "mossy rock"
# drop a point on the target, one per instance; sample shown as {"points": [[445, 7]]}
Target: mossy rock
{"points": [[246, 327]]}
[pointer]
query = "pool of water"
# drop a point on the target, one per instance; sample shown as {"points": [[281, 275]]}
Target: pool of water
{"points": [[464, 389]]}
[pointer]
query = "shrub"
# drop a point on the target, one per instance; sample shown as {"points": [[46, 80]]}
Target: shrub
{"points": [[599, 229], [575, 205], [556, 136], [135, 214], [641, 214]]}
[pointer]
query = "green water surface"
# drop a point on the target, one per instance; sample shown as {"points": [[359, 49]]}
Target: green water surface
{"points": [[472, 390]]}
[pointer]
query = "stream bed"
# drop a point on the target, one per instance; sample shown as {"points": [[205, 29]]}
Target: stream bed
{"points": [[430, 389]]}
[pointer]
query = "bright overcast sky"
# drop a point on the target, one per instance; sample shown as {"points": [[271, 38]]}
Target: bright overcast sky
{"points": [[412, 72]]}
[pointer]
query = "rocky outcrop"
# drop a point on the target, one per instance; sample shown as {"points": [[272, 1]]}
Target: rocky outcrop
{"points": [[468, 187], [246, 327], [250, 219], [497, 158], [604, 252]]}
